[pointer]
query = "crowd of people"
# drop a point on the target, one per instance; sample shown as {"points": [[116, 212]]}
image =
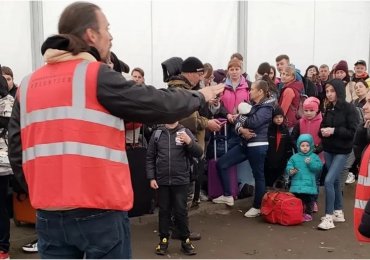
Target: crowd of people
{"points": [[68, 152]]}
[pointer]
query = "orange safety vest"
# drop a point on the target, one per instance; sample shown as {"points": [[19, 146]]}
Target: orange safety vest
{"points": [[73, 149], [362, 194]]}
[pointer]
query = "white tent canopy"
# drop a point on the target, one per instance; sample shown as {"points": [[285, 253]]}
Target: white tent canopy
{"points": [[147, 33]]}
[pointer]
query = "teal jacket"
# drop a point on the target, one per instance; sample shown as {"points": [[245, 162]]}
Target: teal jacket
{"points": [[304, 181]]}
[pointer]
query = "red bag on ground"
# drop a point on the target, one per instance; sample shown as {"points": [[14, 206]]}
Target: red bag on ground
{"points": [[282, 208]]}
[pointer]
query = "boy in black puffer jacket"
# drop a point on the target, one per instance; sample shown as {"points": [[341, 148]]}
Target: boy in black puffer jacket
{"points": [[168, 163], [280, 148]]}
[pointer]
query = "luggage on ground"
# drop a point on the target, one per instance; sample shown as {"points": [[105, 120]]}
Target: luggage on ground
{"points": [[144, 195], [23, 212], [215, 188], [282, 208]]}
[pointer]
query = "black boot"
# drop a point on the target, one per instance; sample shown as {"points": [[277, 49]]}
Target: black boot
{"points": [[162, 247], [193, 236], [188, 248]]}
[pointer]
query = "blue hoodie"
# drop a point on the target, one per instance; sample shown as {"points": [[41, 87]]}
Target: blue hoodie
{"points": [[304, 181], [258, 120]]}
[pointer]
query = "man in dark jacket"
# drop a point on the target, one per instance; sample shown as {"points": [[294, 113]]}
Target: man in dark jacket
{"points": [[84, 35]]}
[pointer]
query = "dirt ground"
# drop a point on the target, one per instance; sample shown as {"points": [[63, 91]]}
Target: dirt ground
{"points": [[228, 234]]}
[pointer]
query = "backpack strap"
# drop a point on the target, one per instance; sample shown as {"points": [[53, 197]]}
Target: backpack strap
{"points": [[157, 134]]}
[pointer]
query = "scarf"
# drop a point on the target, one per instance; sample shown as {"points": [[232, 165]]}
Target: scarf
{"points": [[362, 194]]}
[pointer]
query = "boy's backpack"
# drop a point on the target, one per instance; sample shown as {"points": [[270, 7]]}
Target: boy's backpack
{"points": [[282, 208], [194, 175], [299, 111]]}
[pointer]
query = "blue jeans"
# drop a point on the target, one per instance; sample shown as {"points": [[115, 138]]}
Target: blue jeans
{"points": [[72, 233], [335, 164], [256, 156], [318, 177]]}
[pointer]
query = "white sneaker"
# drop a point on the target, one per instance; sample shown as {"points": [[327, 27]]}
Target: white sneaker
{"points": [[31, 247], [338, 216], [350, 178], [203, 196], [326, 223], [252, 213], [228, 200]]}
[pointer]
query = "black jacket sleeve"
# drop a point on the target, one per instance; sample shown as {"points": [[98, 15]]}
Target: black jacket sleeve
{"points": [[294, 136], [364, 227], [360, 141], [194, 148], [348, 132], [151, 155], [144, 104], [15, 146], [223, 111]]}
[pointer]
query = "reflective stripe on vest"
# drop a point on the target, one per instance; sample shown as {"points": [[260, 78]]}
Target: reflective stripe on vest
{"points": [[77, 111], [360, 204]]}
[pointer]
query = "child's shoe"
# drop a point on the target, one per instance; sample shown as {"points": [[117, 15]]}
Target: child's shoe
{"points": [[315, 207], [188, 248], [4, 255], [162, 247], [307, 217]]}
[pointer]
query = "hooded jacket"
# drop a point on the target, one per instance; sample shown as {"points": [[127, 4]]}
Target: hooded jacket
{"points": [[312, 127], [121, 98], [167, 162], [304, 181], [343, 118], [171, 67], [277, 157]]}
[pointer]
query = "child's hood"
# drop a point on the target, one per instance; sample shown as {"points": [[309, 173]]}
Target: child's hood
{"points": [[178, 127], [305, 138]]}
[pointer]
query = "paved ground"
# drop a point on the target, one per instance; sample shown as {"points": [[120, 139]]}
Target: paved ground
{"points": [[227, 234]]}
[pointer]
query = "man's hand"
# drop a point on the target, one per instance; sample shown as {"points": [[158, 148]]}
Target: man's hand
{"points": [[210, 92], [214, 102], [214, 125], [153, 184]]}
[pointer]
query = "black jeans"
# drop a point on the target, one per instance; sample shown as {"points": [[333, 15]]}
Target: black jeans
{"points": [[173, 199], [70, 234], [4, 215], [307, 200]]}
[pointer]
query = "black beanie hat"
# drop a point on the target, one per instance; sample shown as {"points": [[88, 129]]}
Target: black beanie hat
{"points": [[192, 65], [278, 111]]}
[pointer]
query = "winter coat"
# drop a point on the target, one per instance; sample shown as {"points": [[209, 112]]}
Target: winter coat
{"points": [[167, 162], [342, 116], [277, 157], [231, 99], [257, 120], [312, 127], [304, 181]]}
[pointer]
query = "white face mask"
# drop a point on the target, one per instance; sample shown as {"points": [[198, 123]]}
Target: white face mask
{"points": [[201, 84]]}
